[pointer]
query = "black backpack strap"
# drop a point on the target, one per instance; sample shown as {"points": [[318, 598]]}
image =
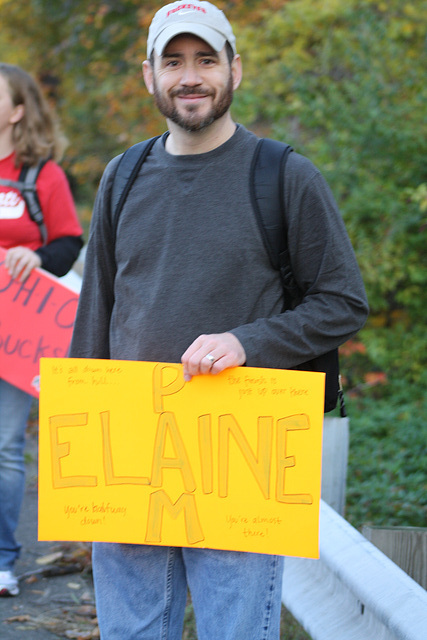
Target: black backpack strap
{"points": [[26, 184], [11, 183], [267, 196], [28, 188], [266, 185], [127, 169]]}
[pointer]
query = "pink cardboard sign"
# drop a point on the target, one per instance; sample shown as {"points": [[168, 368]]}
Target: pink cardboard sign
{"points": [[36, 320]]}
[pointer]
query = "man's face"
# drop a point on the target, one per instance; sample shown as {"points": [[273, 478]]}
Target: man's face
{"points": [[192, 84]]}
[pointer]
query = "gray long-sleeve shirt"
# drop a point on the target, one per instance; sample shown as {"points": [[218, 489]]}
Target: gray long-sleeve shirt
{"points": [[189, 259]]}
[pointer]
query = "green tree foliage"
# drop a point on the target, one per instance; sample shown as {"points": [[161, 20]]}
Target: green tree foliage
{"points": [[387, 481]]}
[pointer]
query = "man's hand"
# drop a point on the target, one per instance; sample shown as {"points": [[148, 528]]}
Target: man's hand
{"points": [[20, 261], [212, 353]]}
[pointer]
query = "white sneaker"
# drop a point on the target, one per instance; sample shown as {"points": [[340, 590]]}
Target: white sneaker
{"points": [[8, 584]]}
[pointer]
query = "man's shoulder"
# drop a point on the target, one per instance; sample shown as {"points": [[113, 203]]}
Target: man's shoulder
{"points": [[113, 164], [302, 166], [296, 162], [134, 150]]}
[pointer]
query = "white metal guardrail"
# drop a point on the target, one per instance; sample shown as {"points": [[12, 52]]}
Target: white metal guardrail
{"points": [[354, 592]]}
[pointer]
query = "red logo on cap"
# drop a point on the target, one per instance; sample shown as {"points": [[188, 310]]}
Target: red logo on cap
{"points": [[192, 7]]}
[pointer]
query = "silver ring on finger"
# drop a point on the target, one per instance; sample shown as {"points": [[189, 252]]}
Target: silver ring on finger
{"points": [[210, 357]]}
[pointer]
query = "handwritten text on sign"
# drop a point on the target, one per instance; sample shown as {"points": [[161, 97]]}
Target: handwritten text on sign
{"points": [[129, 452], [36, 320]]}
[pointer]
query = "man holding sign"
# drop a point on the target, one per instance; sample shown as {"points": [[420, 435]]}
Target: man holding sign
{"points": [[183, 275]]}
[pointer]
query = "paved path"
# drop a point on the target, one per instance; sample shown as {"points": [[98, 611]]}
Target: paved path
{"points": [[49, 606]]}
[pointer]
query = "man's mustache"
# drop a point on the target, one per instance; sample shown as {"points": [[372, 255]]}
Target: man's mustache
{"points": [[192, 91]]}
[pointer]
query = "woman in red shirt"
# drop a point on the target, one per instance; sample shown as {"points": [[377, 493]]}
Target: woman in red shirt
{"points": [[27, 135]]}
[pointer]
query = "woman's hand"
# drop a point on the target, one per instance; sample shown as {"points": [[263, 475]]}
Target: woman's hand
{"points": [[20, 261]]}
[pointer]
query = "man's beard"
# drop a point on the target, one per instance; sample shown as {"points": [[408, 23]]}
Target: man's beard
{"points": [[190, 120]]}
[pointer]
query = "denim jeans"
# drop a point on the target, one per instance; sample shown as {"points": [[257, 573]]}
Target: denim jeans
{"points": [[15, 407], [141, 592]]}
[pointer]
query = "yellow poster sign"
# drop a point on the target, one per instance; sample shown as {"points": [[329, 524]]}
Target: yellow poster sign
{"points": [[130, 452]]}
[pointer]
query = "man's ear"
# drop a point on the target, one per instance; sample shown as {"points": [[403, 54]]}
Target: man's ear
{"points": [[17, 114], [147, 72], [236, 71]]}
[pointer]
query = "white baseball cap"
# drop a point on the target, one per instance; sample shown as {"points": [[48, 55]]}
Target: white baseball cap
{"points": [[201, 19]]}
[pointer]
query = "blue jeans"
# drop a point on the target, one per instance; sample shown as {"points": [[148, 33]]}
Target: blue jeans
{"points": [[15, 407], [141, 592]]}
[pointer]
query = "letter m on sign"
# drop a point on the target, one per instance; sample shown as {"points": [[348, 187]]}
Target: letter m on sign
{"points": [[159, 501]]}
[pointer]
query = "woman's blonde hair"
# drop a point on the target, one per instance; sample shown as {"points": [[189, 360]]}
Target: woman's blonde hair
{"points": [[36, 135]]}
